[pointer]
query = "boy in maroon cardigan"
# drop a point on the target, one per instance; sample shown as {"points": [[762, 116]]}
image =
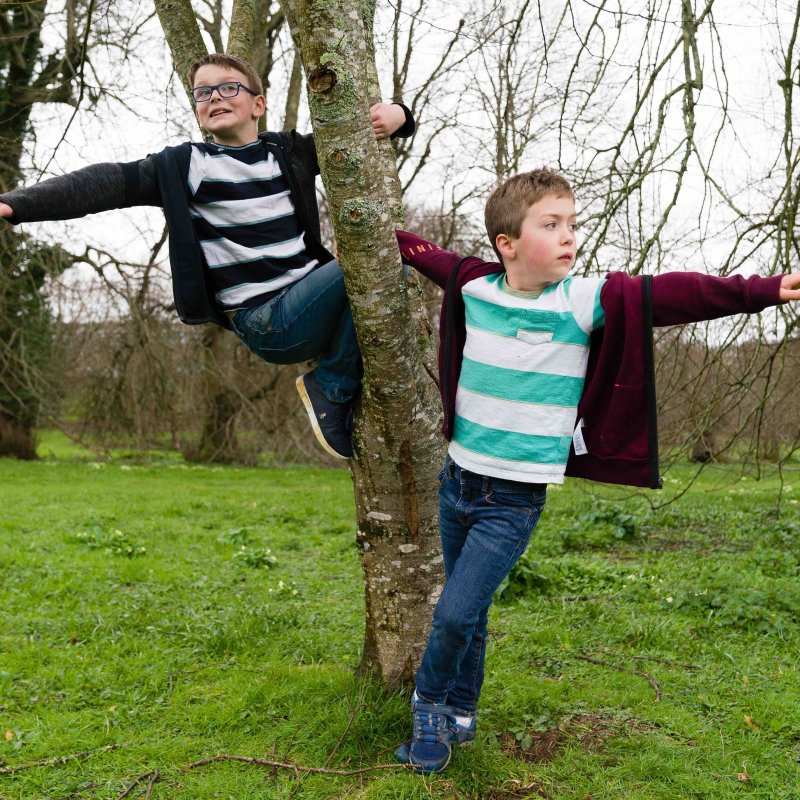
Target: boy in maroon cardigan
{"points": [[542, 375]]}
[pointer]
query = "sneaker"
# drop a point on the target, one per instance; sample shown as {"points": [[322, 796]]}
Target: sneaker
{"points": [[462, 727], [462, 732], [429, 748], [332, 422]]}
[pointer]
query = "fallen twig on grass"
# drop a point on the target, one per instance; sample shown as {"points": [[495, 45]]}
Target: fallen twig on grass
{"points": [[296, 768], [78, 790], [574, 598], [52, 762], [665, 661], [153, 777], [624, 669]]}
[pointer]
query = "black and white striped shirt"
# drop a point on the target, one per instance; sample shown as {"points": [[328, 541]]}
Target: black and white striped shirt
{"points": [[244, 218]]}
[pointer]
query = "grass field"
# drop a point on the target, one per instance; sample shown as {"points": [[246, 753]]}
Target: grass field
{"points": [[155, 614]]}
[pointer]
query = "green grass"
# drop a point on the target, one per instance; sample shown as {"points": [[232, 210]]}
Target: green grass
{"points": [[181, 612]]}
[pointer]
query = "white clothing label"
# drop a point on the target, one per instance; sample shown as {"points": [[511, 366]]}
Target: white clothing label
{"points": [[577, 439]]}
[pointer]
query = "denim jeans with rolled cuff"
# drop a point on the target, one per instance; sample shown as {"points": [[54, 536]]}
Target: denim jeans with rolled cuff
{"points": [[307, 320], [485, 525]]}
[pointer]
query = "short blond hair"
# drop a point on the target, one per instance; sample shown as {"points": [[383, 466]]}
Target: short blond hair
{"points": [[509, 202], [232, 62]]}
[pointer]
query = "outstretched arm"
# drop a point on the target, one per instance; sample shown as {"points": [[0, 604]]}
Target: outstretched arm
{"points": [[683, 297], [432, 261], [790, 287], [99, 187]]}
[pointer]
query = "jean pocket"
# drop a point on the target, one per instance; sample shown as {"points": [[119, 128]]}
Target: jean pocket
{"points": [[528, 499], [262, 318]]}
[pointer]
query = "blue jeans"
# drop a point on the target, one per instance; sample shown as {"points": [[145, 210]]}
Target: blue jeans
{"points": [[309, 319], [485, 526]]}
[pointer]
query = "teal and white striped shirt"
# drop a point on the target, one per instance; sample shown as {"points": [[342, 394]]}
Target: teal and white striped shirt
{"points": [[522, 375]]}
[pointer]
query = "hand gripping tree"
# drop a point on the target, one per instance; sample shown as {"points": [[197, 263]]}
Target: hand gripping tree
{"points": [[397, 442]]}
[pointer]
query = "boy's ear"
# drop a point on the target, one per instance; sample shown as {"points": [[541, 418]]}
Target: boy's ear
{"points": [[259, 106], [505, 246]]}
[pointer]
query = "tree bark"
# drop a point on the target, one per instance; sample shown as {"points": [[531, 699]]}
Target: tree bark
{"points": [[240, 36], [222, 404], [292, 107], [182, 34], [397, 442]]}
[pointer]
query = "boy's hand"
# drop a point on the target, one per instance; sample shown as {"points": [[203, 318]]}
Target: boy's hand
{"points": [[6, 210], [386, 119], [790, 287]]}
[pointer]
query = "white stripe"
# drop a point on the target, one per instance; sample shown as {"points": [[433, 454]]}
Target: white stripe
{"points": [[244, 212], [223, 252], [223, 167], [551, 358], [509, 415], [582, 296], [491, 291], [574, 294], [510, 470], [236, 295]]}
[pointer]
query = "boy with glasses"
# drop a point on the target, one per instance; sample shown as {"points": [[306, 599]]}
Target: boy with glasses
{"points": [[245, 248]]}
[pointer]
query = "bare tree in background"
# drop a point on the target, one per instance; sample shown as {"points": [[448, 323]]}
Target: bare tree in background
{"points": [[31, 73]]}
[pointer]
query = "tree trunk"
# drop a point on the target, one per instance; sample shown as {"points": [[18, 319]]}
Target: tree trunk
{"points": [[26, 358], [221, 403], [240, 36], [218, 442], [397, 442], [182, 34], [292, 106]]}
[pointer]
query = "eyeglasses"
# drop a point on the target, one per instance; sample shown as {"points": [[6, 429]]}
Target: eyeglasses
{"points": [[202, 94]]}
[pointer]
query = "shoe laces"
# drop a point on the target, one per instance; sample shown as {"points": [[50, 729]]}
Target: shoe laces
{"points": [[430, 726]]}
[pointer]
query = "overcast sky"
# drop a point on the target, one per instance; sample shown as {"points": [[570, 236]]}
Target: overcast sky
{"points": [[152, 110]]}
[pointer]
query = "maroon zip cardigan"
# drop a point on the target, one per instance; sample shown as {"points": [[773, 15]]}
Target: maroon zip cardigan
{"points": [[618, 404]]}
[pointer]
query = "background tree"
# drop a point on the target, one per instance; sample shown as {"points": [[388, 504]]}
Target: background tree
{"points": [[29, 75], [34, 72]]}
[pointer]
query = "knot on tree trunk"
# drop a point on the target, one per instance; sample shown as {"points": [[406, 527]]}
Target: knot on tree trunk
{"points": [[321, 80], [344, 158], [359, 212]]}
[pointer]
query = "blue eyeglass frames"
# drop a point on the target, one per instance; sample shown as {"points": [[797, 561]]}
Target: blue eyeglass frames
{"points": [[202, 94]]}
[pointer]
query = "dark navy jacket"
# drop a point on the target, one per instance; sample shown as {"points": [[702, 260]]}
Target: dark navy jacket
{"points": [[191, 286]]}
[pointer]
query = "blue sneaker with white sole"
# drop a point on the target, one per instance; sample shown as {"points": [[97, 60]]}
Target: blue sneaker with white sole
{"points": [[461, 729], [462, 732], [429, 748], [331, 422]]}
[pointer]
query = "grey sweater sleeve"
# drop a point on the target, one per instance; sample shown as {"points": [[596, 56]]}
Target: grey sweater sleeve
{"points": [[99, 187]]}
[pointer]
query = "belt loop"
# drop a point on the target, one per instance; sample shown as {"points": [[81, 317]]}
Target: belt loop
{"points": [[485, 483]]}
